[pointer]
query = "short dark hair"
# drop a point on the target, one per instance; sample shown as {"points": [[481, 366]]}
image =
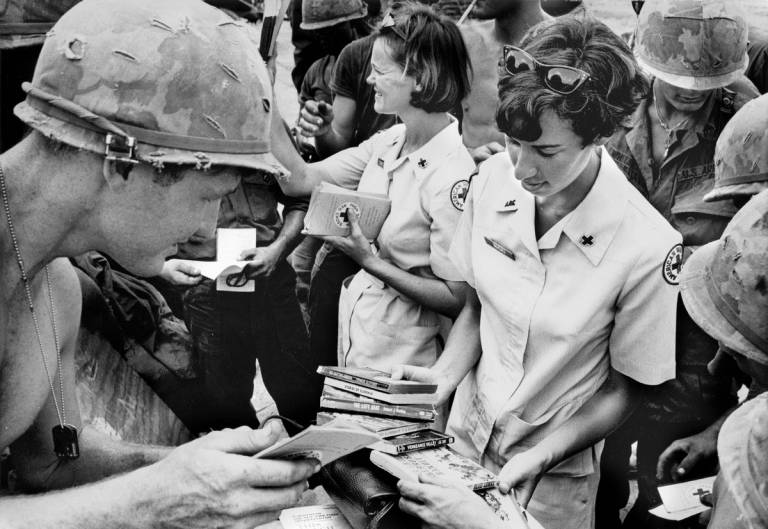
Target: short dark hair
{"points": [[434, 54], [598, 107]]}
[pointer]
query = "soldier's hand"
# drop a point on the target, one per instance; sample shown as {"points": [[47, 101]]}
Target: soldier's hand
{"points": [[178, 272], [315, 118], [263, 261], [682, 456], [213, 482]]}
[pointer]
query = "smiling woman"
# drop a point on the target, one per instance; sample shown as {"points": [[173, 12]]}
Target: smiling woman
{"points": [[393, 310]]}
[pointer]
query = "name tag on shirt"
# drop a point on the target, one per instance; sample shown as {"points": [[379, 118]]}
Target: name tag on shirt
{"points": [[496, 245]]}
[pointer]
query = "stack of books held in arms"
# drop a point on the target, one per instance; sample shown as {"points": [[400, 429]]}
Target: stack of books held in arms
{"points": [[402, 412]]}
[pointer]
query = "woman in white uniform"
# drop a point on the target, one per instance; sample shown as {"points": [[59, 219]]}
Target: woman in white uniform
{"points": [[392, 311], [575, 284]]}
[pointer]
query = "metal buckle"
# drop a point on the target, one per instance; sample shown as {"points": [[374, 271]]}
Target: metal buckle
{"points": [[120, 149]]}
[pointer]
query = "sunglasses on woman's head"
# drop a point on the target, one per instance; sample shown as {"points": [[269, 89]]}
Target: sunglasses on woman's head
{"points": [[389, 22], [561, 79]]}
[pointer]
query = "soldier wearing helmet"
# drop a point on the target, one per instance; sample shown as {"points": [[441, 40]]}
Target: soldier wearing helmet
{"points": [[144, 115], [723, 288], [741, 155], [696, 53]]}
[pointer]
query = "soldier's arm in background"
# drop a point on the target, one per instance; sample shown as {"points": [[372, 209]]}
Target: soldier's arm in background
{"points": [[333, 127], [264, 260]]}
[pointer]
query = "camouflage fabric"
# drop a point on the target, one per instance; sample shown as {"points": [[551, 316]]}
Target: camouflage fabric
{"points": [[724, 283], [180, 78], [695, 44], [742, 449], [317, 14], [741, 153]]}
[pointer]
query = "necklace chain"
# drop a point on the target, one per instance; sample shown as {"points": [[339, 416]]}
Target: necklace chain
{"points": [[669, 130], [60, 410]]}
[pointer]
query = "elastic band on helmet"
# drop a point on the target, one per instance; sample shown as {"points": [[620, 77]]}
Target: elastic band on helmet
{"points": [[74, 114]]}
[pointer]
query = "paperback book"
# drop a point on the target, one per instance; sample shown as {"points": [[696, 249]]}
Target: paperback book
{"points": [[375, 379], [328, 206], [382, 426], [442, 463], [392, 398], [336, 399], [325, 443], [412, 442]]}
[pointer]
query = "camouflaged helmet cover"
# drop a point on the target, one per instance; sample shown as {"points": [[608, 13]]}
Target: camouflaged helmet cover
{"points": [[318, 14], [724, 283], [694, 44], [741, 153], [180, 68], [742, 451]]}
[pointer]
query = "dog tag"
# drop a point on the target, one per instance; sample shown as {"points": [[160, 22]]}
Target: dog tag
{"points": [[65, 444]]}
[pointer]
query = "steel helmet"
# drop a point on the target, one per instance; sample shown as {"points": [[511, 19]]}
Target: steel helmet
{"points": [[742, 450], [317, 14], [694, 44], [176, 81], [741, 153], [724, 284]]}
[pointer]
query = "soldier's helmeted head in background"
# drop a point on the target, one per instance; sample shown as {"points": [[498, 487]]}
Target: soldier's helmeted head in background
{"points": [[741, 154], [692, 44], [724, 286]]}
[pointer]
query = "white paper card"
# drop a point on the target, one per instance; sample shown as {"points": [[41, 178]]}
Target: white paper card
{"points": [[314, 517], [676, 516], [682, 496]]}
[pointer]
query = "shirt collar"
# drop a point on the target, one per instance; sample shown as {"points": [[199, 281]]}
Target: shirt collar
{"points": [[430, 155], [592, 225]]}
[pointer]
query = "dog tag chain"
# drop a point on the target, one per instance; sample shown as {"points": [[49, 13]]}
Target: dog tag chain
{"points": [[65, 444]]}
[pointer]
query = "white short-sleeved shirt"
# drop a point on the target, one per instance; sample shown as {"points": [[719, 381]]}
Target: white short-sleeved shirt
{"points": [[427, 188], [598, 290], [378, 326]]}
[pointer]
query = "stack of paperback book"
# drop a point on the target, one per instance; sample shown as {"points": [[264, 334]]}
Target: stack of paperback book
{"points": [[402, 412]]}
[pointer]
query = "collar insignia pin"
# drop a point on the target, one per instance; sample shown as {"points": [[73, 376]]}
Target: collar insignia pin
{"points": [[422, 163], [380, 162], [587, 240]]}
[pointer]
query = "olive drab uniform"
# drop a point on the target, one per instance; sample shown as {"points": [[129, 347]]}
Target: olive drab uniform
{"points": [[676, 188], [379, 326], [704, 50]]}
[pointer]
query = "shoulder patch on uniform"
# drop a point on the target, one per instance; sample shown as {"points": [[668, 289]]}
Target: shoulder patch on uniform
{"points": [[459, 192], [673, 265]]}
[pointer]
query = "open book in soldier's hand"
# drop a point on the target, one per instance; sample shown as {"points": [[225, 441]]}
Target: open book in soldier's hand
{"points": [[327, 213]]}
